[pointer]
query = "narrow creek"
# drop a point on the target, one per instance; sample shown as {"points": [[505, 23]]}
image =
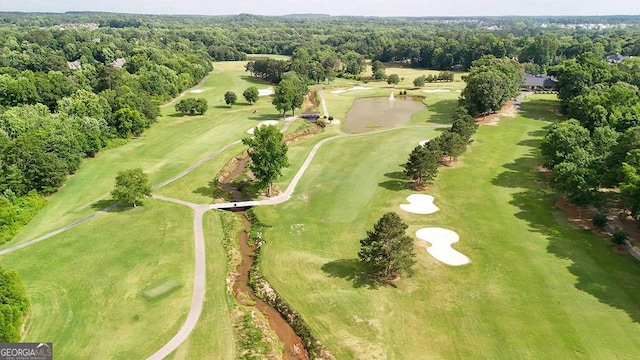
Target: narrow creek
{"points": [[293, 347]]}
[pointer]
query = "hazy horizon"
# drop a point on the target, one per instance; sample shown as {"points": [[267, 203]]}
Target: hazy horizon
{"points": [[380, 8]]}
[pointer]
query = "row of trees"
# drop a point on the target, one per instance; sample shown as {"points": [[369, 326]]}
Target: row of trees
{"points": [[422, 164], [446, 76], [600, 145]]}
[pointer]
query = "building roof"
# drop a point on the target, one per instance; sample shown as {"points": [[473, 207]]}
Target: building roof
{"points": [[119, 63], [75, 65], [615, 58], [545, 81]]}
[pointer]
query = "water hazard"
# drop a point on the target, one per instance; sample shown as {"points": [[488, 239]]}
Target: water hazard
{"points": [[369, 114]]}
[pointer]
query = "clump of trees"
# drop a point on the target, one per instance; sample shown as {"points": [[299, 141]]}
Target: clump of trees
{"points": [[14, 305], [378, 70], [599, 146], [387, 251], [268, 153], [192, 106], [491, 82], [131, 187], [289, 94]]}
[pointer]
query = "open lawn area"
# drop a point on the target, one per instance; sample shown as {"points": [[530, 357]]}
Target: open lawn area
{"points": [[87, 286], [213, 337], [167, 148], [536, 287]]}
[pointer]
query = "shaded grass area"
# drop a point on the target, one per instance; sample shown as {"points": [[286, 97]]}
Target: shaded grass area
{"points": [[164, 150], [545, 107], [537, 287], [213, 337], [85, 284]]}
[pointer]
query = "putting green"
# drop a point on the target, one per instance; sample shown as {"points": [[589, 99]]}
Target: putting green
{"points": [[537, 287]]}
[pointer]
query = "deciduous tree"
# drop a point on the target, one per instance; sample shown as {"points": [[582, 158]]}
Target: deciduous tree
{"points": [[268, 154], [251, 94], [131, 186], [230, 98]]}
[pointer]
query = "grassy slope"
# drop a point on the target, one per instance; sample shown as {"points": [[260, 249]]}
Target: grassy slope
{"points": [[213, 336], [168, 147], [84, 284], [536, 287]]}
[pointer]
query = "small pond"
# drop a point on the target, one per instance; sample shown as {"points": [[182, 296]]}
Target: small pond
{"points": [[369, 114]]}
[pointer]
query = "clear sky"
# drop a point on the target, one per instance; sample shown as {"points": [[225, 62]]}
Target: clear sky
{"points": [[336, 7]]}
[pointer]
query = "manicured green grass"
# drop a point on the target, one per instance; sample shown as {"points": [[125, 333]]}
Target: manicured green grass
{"points": [[213, 336], [168, 147], [537, 287], [85, 285]]}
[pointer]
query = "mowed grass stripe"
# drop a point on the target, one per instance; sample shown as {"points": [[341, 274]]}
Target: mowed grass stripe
{"points": [[537, 287], [85, 284]]}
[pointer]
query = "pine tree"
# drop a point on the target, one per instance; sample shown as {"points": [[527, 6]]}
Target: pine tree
{"points": [[387, 251], [422, 165]]}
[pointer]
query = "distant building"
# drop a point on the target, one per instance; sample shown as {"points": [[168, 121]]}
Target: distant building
{"points": [[75, 65], [310, 115], [119, 63], [538, 82], [615, 58]]}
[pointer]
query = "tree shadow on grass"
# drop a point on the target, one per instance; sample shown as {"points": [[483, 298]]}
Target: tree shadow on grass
{"points": [[110, 205], [442, 111], [254, 80], [610, 277], [213, 190], [264, 117], [398, 181], [351, 270]]}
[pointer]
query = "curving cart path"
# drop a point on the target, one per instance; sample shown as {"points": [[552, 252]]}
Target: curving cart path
{"points": [[199, 281]]}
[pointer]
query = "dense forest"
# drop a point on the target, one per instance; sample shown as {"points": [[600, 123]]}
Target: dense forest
{"points": [[72, 84]]}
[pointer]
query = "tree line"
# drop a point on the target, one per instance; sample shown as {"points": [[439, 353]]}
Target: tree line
{"points": [[67, 94], [599, 146]]}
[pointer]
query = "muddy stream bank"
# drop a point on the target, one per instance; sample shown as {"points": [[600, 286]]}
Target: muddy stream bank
{"points": [[293, 346]]}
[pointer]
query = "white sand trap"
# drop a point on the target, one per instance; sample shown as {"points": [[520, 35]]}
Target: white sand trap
{"points": [[423, 142], [419, 204], [333, 122], [196, 91], [264, 123], [360, 88], [340, 91], [441, 240], [265, 92], [436, 90]]}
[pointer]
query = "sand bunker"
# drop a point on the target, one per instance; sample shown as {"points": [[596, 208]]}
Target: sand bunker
{"points": [[264, 123], [441, 240], [196, 91], [436, 90], [265, 92], [340, 91], [419, 204], [423, 142]]}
